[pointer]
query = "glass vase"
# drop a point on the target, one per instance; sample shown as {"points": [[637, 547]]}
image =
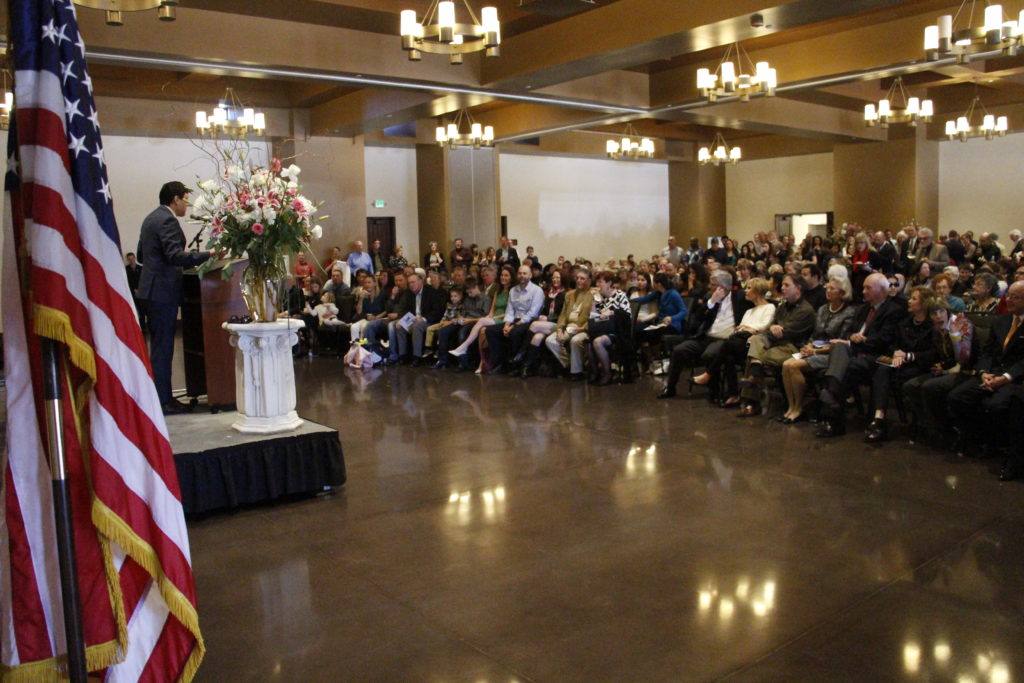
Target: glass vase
{"points": [[263, 286]]}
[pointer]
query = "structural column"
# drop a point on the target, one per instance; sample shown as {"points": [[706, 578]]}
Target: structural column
{"points": [[883, 185]]}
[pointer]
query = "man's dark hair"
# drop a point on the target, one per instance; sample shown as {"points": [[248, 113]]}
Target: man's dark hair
{"points": [[813, 269], [797, 281], [470, 283], [665, 280], [171, 190]]}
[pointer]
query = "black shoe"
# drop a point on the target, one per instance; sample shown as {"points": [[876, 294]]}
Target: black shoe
{"points": [[417, 362], [576, 377], [174, 407], [667, 392], [405, 360], [877, 432], [830, 429], [527, 372], [439, 365], [390, 361], [496, 370]]}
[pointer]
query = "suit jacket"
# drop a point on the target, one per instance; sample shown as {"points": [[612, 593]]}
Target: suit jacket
{"points": [[881, 332], [432, 304], [906, 262], [957, 251], [162, 255], [997, 360], [937, 256], [887, 255], [507, 256]]}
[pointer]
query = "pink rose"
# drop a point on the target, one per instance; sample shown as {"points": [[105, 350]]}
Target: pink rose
{"points": [[292, 191], [298, 205], [275, 165], [257, 228]]}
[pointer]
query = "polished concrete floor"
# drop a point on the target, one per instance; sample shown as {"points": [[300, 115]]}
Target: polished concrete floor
{"points": [[500, 530]]}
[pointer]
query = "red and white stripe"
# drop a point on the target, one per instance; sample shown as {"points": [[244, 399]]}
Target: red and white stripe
{"points": [[76, 268]]}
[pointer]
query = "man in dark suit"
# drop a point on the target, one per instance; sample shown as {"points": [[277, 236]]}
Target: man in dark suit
{"points": [[908, 250], [850, 363], [955, 248], [426, 304], [981, 406], [719, 317], [886, 252], [134, 271], [162, 254], [507, 254]]}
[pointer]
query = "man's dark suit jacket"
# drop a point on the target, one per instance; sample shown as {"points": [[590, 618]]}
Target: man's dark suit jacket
{"points": [[995, 359], [508, 257], [432, 304], [162, 255], [887, 254], [881, 331]]}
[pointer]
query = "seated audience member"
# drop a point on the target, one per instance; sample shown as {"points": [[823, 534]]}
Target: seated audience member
{"points": [[545, 324], [852, 361], [791, 326], [329, 326], [671, 313], [815, 294], [427, 305], [337, 285], [303, 267], [922, 276], [505, 341], [920, 346], [926, 394], [496, 316], [475, 305], [981, 406], [452, 313], [295, 301], [383, 326], [724, 311], [648, 310], [943, 286], [984, 292], [834, 320], [370, 303], [609, 317], [965, 280], [865, 262], [571, 330], [723, 364]]}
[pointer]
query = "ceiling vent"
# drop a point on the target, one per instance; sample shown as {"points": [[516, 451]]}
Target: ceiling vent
{"points": [[556, 8]]}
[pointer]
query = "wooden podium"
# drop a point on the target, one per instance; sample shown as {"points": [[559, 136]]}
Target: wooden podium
{"points": [[209, 358]]}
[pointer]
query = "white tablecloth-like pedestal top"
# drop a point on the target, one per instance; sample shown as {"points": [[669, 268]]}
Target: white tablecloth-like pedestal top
{"points": [[264, 376]]}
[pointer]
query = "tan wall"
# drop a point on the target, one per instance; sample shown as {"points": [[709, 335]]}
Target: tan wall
{"points": [[878, 185], [432, 194], [696, 201], [333, 172], [757, 190], [980, 183]]}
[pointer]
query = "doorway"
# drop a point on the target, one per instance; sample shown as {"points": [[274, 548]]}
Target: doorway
{"points": [[383, 229]]}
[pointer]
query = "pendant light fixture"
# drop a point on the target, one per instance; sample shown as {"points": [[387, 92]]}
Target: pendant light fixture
{"points": [[115, 9], [742, 77], [718, 153], [956, 35], [988, 125], [440, 32], [896, 107], [452, 135], [230, 117], [630, 146]]}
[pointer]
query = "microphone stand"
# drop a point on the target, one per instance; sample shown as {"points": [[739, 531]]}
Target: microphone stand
{"points": [[195, 240]]}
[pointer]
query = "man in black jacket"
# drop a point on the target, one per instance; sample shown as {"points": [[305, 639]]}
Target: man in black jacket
{"points": [[886, 252], [507, 254], [720, 316], [853, 361], [162, 254], [981, 405], [426, 305]]}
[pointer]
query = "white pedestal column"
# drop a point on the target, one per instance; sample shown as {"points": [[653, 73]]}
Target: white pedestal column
{"points": [[264, 376]]}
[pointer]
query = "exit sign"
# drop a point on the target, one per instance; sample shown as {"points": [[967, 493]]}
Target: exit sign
{"points": [[378, 203]]}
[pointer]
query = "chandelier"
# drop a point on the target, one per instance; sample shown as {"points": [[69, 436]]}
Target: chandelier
{"points": [[477, 137], [896, 107], [115, 9], [230, 117], [758, 79], [718, 153], [990, 126], [630, 146], [440, 33], [944, 39], [7, 106]]}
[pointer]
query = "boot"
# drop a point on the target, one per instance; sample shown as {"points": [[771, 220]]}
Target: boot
{"points": [[530, 361]]}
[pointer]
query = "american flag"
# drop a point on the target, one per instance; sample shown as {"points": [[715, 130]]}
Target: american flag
{"points": [[66, 281]]}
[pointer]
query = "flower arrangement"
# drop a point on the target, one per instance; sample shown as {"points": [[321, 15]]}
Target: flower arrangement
{"points": [[261, 213]]}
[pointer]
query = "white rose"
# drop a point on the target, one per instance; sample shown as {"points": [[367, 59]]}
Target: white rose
{"points": [[317, 232], [235, 173], [259, 179], [269, 215], [209, 186], [292, 172]]}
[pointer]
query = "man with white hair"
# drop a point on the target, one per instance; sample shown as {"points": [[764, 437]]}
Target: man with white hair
{"points": [[1018, 244], [931, 251]]}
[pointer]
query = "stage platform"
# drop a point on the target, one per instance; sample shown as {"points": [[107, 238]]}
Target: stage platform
{"points": [[220, 468]]}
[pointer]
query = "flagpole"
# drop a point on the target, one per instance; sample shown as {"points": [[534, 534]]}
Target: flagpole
{"points": [[53, 395]]}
